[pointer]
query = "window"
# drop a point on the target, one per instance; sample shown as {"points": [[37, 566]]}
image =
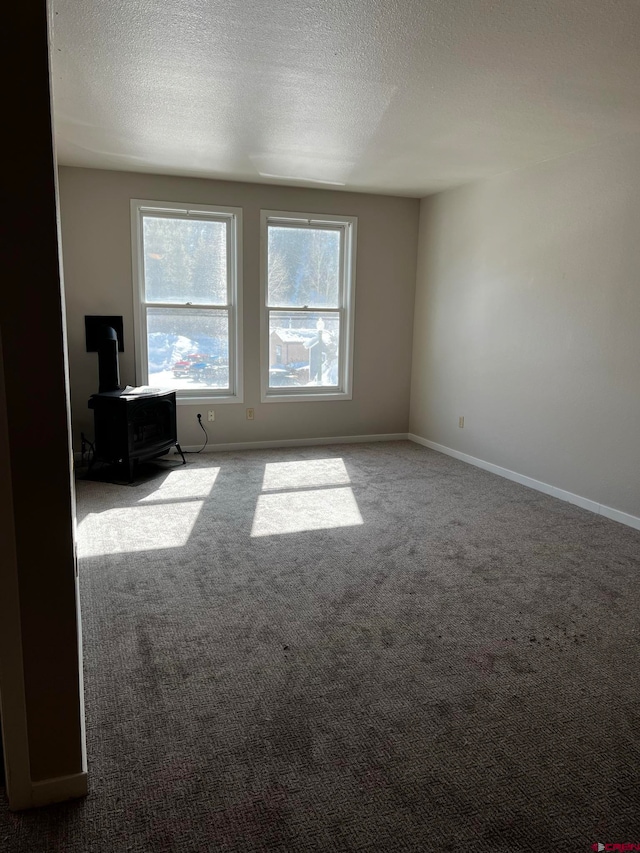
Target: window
{"points": [[186, 259], [308, 280]]}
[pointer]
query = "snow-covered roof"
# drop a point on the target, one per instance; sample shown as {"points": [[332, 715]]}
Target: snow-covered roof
{"points": [[295, 336]]}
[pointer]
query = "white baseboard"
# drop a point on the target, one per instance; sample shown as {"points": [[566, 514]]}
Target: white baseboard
{"points": [[569, 497], [55, 791], [298, 442]]}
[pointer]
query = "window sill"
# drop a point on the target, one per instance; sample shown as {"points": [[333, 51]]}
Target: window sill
{"points": [[305, 397], [186, 398]]}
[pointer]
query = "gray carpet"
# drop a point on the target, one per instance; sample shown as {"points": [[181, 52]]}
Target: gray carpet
{"points": [[351, 648]]}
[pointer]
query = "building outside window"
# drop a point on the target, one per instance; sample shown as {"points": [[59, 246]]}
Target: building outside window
{"points": [[186, 263], [308, 283]]}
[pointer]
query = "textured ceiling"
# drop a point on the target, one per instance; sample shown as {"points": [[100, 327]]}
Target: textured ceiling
{"points": [[392, 96]]}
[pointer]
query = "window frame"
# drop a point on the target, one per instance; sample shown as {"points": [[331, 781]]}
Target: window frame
{"points": [[346, 308], [181, 210]]}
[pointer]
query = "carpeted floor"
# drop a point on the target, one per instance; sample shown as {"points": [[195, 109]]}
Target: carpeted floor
{"points": [[350, 648]]}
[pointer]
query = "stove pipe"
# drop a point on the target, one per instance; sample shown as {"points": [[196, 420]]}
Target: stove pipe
{"points": [[108, 369]]}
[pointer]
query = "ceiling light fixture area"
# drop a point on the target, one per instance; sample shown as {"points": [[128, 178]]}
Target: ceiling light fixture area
{"points": [[302, 180]]}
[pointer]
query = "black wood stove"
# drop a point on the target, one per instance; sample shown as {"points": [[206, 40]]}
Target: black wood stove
{"points": [[129, 427]]}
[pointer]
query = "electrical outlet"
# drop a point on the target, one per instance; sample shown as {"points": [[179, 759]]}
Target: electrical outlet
{"points": [[250, 414], [211, 415], [461, 421]]}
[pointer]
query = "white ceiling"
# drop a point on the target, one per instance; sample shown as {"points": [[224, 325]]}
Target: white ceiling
{"points": [[395, 96]]}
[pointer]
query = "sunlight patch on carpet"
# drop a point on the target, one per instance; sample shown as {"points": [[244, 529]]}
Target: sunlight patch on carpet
{"points": [[190, 483], [138, 528], [314, 509], [304, 474]]}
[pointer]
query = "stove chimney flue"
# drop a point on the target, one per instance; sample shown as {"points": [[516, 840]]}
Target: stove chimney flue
{"points": [[108, 368]]}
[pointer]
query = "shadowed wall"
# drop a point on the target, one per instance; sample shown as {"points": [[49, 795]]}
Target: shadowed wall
{"points": [[526, 322], [38, 522]]}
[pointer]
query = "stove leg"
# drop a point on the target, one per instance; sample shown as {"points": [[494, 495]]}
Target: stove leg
{"points": [[179, 449]]}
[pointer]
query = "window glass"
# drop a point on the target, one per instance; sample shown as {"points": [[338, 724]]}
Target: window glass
{"points": [[304, 349], [188, 348], [304, 267], [185, 260]]}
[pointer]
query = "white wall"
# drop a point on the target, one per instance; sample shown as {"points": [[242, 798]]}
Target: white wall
{"points": [[97, 260], [527, 322]]}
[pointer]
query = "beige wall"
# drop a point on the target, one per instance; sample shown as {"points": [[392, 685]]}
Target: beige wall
{"points": [[527, 322], [97, 258]]}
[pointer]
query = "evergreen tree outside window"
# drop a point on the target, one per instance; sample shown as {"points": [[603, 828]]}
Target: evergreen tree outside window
{"points": [[186, 262], [308, 282]]}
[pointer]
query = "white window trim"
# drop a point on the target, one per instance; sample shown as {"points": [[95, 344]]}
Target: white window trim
{"points": [[348, 288], [236, 373]]}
